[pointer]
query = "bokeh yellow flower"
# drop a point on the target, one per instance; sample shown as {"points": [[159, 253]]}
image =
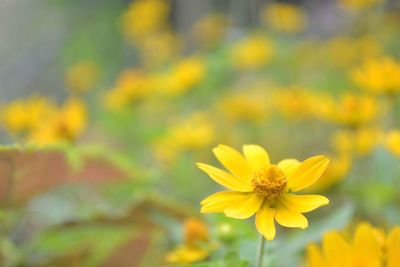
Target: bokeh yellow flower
{"points": [[252, 53], [352, 110], [248, 105], [183, 76], [131, 86], [22, 116], [356, 143], [194, 249], [380, 75], [257, 186], [368, 248], [391, 141], [144, 17], [210, 29], [82, 76], [191, 133], [65, 125], [297, 103], [285, 17]]}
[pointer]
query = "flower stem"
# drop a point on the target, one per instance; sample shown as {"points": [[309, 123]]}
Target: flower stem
{"points": [[260, 253]]}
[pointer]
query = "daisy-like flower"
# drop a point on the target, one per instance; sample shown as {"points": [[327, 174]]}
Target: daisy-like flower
{"points": [[257, 186]]}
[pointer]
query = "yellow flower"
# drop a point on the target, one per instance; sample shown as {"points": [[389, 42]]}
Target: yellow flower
{"points": [[193, 132], [22, 116], [257, 186], [366, 46], [297, 103], [352, 110], [379, 76], [81, 76], [194, 248], [184, 75], [358, 4], [252, 52], [250, 105], [210, 29], [185, 254], [391, 141], [360, 142], [66, 124], [144, 17], [131, 86], [285, 17], [367, 249]]}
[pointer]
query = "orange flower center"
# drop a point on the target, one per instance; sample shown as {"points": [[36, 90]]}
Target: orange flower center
{"points": [[269, 182]]}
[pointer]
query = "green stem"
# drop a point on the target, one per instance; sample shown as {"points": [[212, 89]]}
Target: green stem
{"points": [[260, 253]]}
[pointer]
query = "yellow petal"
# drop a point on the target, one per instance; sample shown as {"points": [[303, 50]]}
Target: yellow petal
{"points": [[246, 208], [367, 249], [265, 222], [256, 157], [393, 248], [336, 250], [288, 166], [314, 256], [307, 173], [225, 179], [304, 203], [234, 162], [220, 201], [290, 218]]}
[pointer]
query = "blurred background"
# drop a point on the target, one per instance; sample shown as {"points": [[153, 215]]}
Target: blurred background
{"points": [[106, 106]]}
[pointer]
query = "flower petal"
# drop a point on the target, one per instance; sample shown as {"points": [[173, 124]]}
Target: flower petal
{"points": [[233, 161], [290, 218], [225, 179], [393, 246], [288, 166], [265, 222], [256, 157], [220, 201], [314, 256], [307, 173], [336, 250], [366, 247], [246, 208], [304, 203]]}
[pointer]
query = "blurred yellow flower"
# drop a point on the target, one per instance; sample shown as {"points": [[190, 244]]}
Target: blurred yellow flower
{"points": [[167, 45], [194, 249], [366, 47], [22, 116], [250, 105], [336, 172], [354, 5], [193, 132], [352, 110], [131, 86], [66, 124], [144, 17], [391, 141], [380, 75], [252, 52], [81, 76], [368, 248], [183, 76], [285, 17], [257, 186], [358, 143], [210, 29], [297, 103]]}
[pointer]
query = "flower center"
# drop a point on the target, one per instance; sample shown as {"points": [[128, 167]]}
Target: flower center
{"points": [[270, 182]]}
